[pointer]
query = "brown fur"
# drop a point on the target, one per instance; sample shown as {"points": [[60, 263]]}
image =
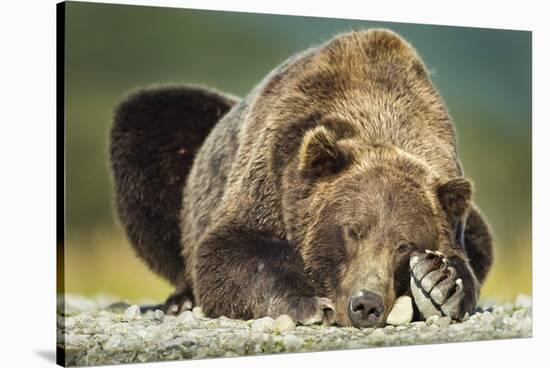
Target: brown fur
{"points": [[322, 182], [154, 139]]}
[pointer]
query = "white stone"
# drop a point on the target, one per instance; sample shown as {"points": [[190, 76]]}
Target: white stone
{"points": [[113, 343], [486, 318], [378, 334], [402, 311], [284, 323], [263, 324], [188, 319], [132, 311], [292, 342], [159, 315]]}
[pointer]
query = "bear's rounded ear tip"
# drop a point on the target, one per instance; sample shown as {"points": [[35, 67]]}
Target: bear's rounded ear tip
{"points": [[456, 187], [460, 185], [320, 153], [455, 195]]}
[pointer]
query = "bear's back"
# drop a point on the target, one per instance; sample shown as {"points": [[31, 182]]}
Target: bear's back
{"points": [[372, 79]]}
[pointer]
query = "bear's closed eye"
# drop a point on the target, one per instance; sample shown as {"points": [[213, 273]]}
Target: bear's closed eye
{"points": [[353, 233], [405, 249]]}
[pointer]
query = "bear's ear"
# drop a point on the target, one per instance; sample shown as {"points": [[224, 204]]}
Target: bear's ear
{"points": [[455, 196], [321, 154]]}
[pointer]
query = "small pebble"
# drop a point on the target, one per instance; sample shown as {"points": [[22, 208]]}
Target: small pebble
{"points": [[292, 342], [132, 312], [402, 311], [486, 318], [284, 323], [262, 324], [118, 307], [113, 342], [159, 315], [377, 334], [188, 319]]}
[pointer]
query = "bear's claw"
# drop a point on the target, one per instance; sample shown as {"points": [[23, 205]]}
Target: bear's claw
{"points": [[178, 302], [435, 286]]}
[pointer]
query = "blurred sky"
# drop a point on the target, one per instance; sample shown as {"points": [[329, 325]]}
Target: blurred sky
{"points": [[484, 76]]}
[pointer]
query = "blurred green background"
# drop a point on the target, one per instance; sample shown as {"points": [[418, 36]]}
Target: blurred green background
{"points": [[484, 76]]}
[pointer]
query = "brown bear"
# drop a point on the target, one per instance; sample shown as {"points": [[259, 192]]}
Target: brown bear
{"points": [[330, 190]]}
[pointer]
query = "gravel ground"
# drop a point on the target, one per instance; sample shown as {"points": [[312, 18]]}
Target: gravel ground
{"points": [[96, 332]]}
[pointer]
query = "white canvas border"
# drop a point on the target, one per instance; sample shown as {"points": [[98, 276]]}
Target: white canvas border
{"points": [[27, 185]]}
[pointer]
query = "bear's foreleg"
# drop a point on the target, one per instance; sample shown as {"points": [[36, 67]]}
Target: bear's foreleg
{"points": [[242, 274]]}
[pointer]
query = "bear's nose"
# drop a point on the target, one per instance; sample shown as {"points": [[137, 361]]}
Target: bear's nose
{"points": [[366, 309]]}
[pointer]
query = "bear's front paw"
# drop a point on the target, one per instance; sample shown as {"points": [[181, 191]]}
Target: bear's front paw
{"points": [[312, 310], [441, 286]]}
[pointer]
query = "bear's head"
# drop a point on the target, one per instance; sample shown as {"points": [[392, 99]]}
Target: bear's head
{"points": [[370, 172], [358, 210]]}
